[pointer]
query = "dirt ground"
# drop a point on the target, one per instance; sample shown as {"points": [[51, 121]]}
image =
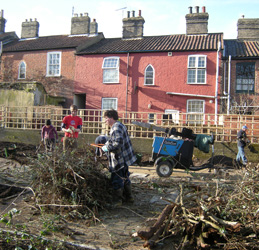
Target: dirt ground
{"points": [[113, 228]]}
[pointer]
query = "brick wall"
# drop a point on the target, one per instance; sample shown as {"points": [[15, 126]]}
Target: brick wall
{"points": [[36, 63]]}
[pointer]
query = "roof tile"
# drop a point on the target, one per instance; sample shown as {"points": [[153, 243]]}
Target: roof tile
{"points": [[156, 44]]}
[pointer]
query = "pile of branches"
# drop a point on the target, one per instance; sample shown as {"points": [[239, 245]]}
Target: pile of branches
{"points": [[72, 181], [228, 218]]}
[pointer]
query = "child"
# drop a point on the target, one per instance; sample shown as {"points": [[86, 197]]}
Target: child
{"points": [[49, 136]]}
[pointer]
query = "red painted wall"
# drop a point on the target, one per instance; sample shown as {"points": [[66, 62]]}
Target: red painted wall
{"points": [[170, 76]]}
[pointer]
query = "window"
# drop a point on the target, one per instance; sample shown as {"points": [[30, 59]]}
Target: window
{"points": [[53, 64], [109, 103], [171, 115], [151, 118], [22, 70], [196, 69], [195, 111], [111, 70], [245, 77], [149, 75]]}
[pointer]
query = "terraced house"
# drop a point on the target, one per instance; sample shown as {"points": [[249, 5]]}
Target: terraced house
{"points": [[197, 73], [44, 66], [168, 73], [240, 85]]}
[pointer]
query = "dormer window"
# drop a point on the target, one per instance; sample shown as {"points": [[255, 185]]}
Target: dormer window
{"points": [[22, 70]]}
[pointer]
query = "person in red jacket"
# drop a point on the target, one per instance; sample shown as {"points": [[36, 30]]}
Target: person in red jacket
{"points": [[71, 125], [49, 136]]}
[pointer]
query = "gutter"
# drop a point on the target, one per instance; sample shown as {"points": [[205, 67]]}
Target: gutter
{"points": [[217, 84], [229, 82]]}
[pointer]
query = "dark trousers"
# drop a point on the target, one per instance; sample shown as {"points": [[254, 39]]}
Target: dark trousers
{"points": [[49, 144], [120, 178]]}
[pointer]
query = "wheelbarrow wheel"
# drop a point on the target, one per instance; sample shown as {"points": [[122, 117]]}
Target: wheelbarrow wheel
{"points": [[164, 169]]}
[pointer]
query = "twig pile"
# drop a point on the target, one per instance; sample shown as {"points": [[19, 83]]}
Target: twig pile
{"points": [[227, 219], [71, 180]]}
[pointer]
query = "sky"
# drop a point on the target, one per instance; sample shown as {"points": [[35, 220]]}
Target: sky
{"points": [[162, 17]]}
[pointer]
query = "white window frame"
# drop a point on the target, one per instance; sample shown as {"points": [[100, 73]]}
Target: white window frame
{"points": [[22, 70], [197, 69], [110, 68], [107, 107], [55, 63], [191, 114], [175, 115], [146, 78]]}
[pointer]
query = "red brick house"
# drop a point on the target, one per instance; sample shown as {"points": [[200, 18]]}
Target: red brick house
{"points": [[240, 85], [154, 74], [48, 60]]}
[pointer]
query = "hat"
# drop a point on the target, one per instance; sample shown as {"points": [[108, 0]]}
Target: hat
{"points": [[48, 122], [244, 127]]}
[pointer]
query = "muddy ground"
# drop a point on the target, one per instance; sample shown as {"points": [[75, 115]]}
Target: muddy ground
{"points": [[113, 228]]}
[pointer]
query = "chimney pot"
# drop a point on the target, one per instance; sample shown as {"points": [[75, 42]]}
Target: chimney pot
{"points": [[203, 9], [139, 13], [30, 20], [133, 13], [2, 13], [197, 9], [190, 10]]}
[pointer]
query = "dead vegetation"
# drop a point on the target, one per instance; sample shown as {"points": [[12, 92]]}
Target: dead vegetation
{"points": [[70, 181], [209, 214]]}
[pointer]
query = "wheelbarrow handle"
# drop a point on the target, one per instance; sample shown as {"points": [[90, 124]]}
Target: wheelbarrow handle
{"points": [[97, 145]]}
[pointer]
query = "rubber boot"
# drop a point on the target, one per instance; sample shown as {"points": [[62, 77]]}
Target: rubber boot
{"points": [[118, 197], [128, 193]]}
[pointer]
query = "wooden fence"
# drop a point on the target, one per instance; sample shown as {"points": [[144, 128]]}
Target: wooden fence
{"points": [[224, 127]]}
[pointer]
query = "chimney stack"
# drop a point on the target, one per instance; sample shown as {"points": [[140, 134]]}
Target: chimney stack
{"points": [[197, 23], [248, 28], [2, 22], [30, 29], [82, 25], [93, 27], [133, 27]]}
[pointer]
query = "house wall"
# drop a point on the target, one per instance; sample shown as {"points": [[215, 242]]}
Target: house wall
{"points": [[236, 96], [170, 76], [36, 65]]}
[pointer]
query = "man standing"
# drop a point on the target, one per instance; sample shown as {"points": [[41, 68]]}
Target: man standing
{"points": [[121, 156], [71, 125], [241, 143]]}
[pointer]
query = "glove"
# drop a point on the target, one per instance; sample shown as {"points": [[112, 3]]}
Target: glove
{"points": [[68, 130], [104, 148], [72, 128]]}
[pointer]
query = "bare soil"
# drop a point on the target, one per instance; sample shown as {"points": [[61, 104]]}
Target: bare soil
{"points": [[113, 228]]}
